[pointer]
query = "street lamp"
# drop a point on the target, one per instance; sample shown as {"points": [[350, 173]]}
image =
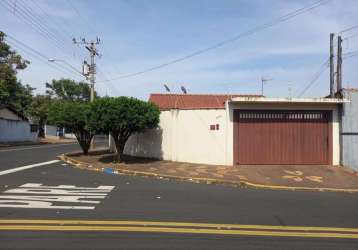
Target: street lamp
{"points": [[69, 65]]}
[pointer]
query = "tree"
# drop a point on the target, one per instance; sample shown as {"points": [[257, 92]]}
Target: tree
{"points": [[121, 117], [74, 116], [69, 90], [38, 110], [12, 92]]}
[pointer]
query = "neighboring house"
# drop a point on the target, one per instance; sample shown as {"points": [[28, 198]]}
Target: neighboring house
{"points": [[52, 130], [242, 129], [349, 128], [15, 127]]}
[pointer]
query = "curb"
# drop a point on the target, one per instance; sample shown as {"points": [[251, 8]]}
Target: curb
{"points": [[84, 165]]}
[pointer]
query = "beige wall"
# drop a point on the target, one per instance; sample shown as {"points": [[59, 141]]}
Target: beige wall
{"points": [[7, 114], [185, 136], [335, 122]]}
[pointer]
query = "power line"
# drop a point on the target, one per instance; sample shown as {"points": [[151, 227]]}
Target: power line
{"points": [[38, 54], [316, 76], [34, 24], [84, 20], [39, 25], [348, 29], [62, 27], [256, 29], [350, 37], [106, 78], [53, 20], [57, 35], [110, 87], [351, 55], [90, 27]]}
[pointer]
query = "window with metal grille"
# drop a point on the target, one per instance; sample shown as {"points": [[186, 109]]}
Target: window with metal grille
{"points": [[34, 128]]}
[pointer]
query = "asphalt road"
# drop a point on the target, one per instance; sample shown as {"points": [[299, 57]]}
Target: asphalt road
{"points": [[138, 200]]}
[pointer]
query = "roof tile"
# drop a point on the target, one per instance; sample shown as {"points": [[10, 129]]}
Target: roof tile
{"points": [[192, 101]]}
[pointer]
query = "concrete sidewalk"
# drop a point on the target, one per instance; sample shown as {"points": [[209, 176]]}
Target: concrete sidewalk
{"points": [[320, 178]]}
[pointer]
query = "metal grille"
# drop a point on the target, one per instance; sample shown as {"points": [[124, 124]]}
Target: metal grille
{"points": [[282, 115]]}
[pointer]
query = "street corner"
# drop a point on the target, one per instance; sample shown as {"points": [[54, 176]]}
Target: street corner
{"points": [[297, 178]]}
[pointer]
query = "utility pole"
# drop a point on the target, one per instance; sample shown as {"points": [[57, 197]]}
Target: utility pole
{"points": [[331, 65], [339, 64], [90, 70], [91, 74]]}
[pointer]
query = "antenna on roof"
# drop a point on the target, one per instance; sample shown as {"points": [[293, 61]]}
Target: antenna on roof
{"points": [[263, 82], [183, 89], [166, 88]]}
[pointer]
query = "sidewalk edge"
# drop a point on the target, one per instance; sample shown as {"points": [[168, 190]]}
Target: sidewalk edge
{"points": [[86, 165]]}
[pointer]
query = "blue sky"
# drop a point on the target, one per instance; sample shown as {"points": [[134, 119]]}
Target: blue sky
{"points": [[139, 34]]}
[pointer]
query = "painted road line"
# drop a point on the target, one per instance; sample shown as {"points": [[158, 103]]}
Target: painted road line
{"points": [[13, 170], [151, 224], [175, 230], [35, 147], [38, 196]]}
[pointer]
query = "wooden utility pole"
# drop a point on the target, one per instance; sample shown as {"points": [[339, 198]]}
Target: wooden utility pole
{"points": [[339, 64], [331, 65]]}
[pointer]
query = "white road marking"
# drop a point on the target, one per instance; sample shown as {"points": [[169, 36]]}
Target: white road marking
{"points": [[43, 146], [13, 170], [35, 195]]}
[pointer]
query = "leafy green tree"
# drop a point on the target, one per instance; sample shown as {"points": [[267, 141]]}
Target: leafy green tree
{"points": [[121, 117], [69, 90], [12, 92], [38, 110], [74, 116]]}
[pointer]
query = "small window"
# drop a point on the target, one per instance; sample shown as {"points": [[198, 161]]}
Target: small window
{"points": [[34, 128]]}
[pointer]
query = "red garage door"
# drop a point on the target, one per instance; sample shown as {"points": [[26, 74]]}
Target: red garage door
{"points": [[282, 137]]}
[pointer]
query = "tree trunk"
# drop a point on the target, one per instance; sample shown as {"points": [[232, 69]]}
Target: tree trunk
{"points": [[41, 133], [84, 138], [120, 142]]}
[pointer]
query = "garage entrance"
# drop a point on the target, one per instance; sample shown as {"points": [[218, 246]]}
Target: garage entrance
{"points": [[268, 137]]}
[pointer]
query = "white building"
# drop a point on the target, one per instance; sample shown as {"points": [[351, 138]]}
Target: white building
{"points": [[241, 129], [15, 127]]}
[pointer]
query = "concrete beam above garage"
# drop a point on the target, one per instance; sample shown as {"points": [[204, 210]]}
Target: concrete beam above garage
{"points": [[287, 100]]}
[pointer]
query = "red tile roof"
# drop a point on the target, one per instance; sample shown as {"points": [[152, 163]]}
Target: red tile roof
{"points": [[192, 101], [352, 89]]}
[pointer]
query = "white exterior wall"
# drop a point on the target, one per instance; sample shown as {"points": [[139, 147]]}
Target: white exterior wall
{"points": [[185, 136], [335, 122], [8, 114], [51, 130], [16, 131]]}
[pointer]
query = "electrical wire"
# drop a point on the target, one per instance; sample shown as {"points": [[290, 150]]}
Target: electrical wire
{"points": [[84, 20], [39, 25], [38, 54], [90, 28], [350, 55], [33, 24], [316, 76], [61, 27], [53, 33], [106, 78], [348, 29], [250, 32]]}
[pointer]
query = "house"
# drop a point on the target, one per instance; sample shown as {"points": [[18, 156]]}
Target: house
{"points": [[349, 128], [242, 129], [55, 131], [15, 127]]}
